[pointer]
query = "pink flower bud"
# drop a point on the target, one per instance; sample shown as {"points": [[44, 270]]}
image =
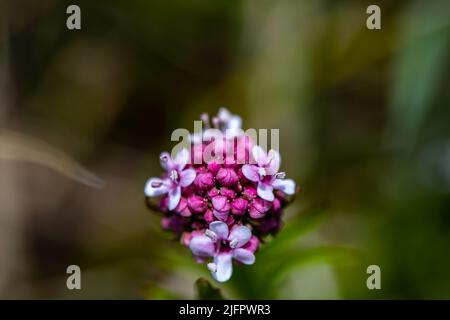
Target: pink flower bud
{"points": [[220, 203], [197, 204], [182, 208], [239, 206], [228, 193], [230, 221], [172, 223], [208, 216], [221, 207], [186, 238], [227, 177], [204, 180], [214, 167], [189, 191], [197, 224], [270, 224], [222, 216], [281, 196], [213, 192], [249, 193], [166, 223], [276, 204], [230, 161], [259, 208]]}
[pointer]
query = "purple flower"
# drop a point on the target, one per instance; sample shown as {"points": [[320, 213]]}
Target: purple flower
{"points": [[177, 177], [224, 246], [266, 174]]}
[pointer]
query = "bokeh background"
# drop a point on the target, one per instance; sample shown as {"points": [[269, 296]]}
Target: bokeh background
{"points": [[364, 130]]}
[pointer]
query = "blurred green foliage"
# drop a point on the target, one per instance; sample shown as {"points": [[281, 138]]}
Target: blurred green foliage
{"points": [[205, 291]]}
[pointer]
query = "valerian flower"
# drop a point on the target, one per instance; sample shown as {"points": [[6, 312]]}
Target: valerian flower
{"points": [[222, 197], [223, 245], [266, 174], [176, 177]]}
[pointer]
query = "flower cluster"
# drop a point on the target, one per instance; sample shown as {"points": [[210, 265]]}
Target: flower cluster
{"points": [[221, 206]]}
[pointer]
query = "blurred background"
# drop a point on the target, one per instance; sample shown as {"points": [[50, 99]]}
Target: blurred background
{"points": [[364, 130]]}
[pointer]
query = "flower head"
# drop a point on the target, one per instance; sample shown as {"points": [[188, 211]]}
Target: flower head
{"points": [[222, 197]]}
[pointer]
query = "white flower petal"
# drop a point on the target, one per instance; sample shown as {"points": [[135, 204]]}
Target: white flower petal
{"points": [[202, 246], [220, 229], [187, 177], [232, 133], [224, 267], [166, 161], [243, 255], [265, 191], [182, 158], [285, 185], [174, 197], [155, 187], [250, 172], [239, 236], [274, 162], [224, 115], [259, 155], [234, 123]]}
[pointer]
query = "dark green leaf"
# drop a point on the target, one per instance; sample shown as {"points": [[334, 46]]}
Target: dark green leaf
{"points": [[205, 291]]}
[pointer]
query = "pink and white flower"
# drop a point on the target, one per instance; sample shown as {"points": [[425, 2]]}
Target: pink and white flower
{"points": [[266, 174], [176, 177], [223, 245]]}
